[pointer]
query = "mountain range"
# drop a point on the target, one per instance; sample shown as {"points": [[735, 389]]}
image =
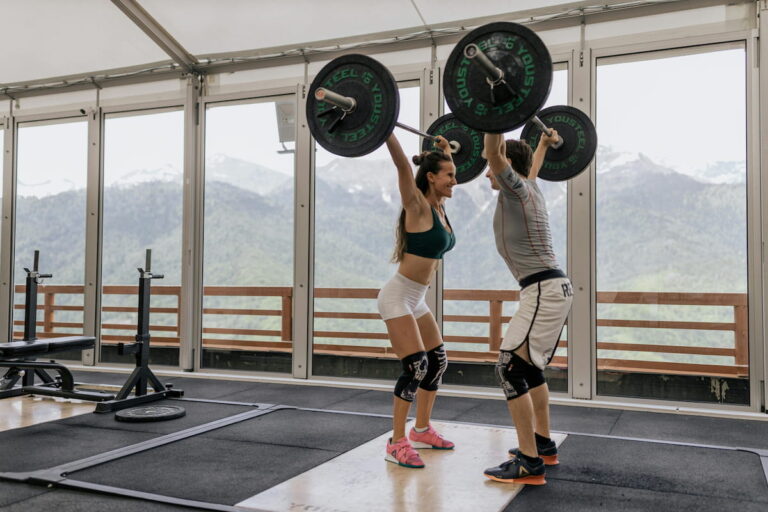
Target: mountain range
{"points": [[656, 229]]}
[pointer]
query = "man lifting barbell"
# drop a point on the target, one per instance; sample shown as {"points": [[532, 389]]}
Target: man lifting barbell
{"points": [[523, 239], [497, 77]]}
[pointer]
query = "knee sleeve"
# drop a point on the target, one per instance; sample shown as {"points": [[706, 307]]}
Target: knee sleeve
{"points": [[437, 364], [510, 370], [414, 371], [534, 377]]}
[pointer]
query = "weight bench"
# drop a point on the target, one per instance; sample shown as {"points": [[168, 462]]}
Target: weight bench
{"points": [[20, 356]]}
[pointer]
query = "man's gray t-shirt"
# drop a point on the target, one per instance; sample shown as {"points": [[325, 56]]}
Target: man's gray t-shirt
{"points": [[521, 226]]}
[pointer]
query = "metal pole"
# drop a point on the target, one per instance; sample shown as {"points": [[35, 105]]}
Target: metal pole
{"points": [[417, 132], [345, 103], [475, 54], [348, 104]]}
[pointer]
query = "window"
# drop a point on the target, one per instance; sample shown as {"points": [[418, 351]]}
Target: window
{"points": [[478, 286], [50, 217], [143, 168], [357, 207], [671, 226], [248, 255]]}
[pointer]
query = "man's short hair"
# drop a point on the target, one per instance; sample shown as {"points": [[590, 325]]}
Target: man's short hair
{"points": [[521, 155]]}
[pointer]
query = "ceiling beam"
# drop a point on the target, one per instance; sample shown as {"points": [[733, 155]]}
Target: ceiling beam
{"points": [[158, 34]]}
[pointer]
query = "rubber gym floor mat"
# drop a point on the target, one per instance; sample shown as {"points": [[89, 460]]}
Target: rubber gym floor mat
{"points": [[11, 493], [563, 418], [567, 496], [197, 413], [320, 397], [49, 444], [380, 402], [693, 429], [611, 471], [211, 389], [64, 500], [108, 378], [193, 388], [233, 463]]}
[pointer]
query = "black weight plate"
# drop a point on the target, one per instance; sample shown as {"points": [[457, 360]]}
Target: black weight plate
{"points": [[527, 67], [579, 142], [150, 413], [378, 104], [468, 160]]}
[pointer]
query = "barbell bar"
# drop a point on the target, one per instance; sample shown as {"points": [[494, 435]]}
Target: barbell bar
{"points": [[352, 108], [495, 76], [348, 104]]}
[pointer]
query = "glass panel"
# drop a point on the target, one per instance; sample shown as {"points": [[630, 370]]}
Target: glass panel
{"points": [[475, 273], [357, 206], [248, 265], [143, 169], [2, 173], [50, 217], [671, 227]]}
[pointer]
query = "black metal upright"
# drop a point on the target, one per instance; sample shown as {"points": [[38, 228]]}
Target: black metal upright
{"points": [[20, 357], [142, 326], [142, 375], [30, 298], [34, 278]]}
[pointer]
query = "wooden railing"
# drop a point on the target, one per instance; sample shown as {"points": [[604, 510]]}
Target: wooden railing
{"points": [[166, 333]]}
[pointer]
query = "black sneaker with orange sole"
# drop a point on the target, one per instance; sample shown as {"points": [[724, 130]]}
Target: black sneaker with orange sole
{"points": [[518, 471], [547, 451]]}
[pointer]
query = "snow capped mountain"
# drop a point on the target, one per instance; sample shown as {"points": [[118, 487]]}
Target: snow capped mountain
{"points": [[241, 173], [721, 172], [218, 167], [378, 177], [370, 176], [168, 173]]}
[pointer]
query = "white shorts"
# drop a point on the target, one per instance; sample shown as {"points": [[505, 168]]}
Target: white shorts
{"points": [[402, 296], [539, 320]]}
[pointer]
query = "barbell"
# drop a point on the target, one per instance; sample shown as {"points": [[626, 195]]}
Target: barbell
{"points": [[353, 105], [496, 79]]}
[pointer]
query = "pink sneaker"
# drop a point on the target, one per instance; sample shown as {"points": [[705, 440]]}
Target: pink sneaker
{"points": [[429, 439], [403, 454]]}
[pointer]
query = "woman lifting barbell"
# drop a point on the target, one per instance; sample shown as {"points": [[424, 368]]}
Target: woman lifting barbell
{"points": [[423, 236]]}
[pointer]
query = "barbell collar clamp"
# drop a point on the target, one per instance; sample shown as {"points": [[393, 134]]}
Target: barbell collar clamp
{"points": [[345, 103], [474, 53]]}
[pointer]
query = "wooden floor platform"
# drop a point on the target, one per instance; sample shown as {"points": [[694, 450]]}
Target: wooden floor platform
{"points": [[362, 480], [23, 411]]}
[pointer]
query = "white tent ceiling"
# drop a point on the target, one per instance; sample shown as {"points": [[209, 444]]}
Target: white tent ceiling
{"points": [[51, 38], [75, 39]]}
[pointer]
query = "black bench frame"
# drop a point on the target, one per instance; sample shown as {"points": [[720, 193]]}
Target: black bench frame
{"points": [[20, 356]]}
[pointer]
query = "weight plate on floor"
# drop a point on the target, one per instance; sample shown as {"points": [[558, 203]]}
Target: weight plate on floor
{"points": [[150, 413]]}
